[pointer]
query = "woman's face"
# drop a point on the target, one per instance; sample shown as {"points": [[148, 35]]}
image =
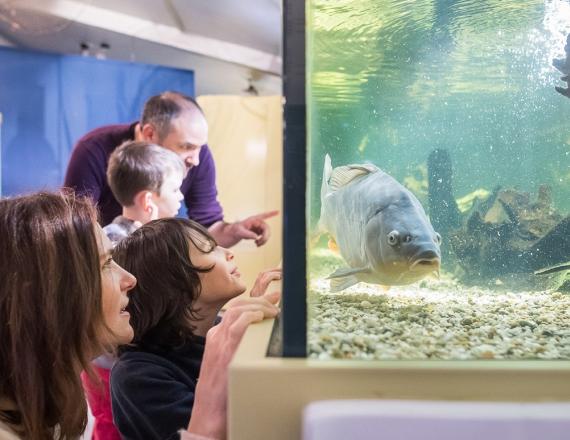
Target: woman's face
{"points": [[223, 282], [115, 282]]}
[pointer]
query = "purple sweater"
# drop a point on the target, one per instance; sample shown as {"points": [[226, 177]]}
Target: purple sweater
{"points": [[87, 169]]}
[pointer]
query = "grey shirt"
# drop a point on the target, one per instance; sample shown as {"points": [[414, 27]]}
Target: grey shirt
{"points": [[121, 227]]}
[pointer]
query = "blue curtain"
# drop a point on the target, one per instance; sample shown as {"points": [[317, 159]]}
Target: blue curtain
{"points": [[49, 101]]}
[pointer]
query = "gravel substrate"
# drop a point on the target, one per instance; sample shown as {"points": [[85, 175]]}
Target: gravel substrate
{"points": [[434, 319]]}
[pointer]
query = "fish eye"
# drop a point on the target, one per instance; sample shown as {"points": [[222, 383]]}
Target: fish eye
{"points": [[407, 238], [393, 238], [437, 238]]}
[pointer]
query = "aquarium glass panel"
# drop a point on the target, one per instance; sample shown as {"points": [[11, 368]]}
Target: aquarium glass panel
{"points": [[439, 179]]}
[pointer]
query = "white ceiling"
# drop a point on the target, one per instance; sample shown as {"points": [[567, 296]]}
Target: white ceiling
{"points": [[251, 23], [245, 33]]}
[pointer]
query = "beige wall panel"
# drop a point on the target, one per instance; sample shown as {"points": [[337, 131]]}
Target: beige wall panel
{"points": [[246, 138]]}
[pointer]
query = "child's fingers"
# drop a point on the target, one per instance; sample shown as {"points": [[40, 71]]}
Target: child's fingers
{"points": [[223, 340], [273, 297], [238, 328], [269, 310], [270, 272], [263, 281]]}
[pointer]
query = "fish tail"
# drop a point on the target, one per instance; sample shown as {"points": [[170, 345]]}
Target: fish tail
{"points": [[327, 171]]}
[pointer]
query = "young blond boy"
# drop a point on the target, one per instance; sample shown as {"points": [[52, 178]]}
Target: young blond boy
{"points": [[145, 178]]}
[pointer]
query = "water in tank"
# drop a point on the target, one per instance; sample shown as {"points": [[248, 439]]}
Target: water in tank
{"points": [[439, 179]]}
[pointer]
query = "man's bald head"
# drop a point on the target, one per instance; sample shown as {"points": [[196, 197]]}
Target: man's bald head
{"points": [[161, 110], [176, 122]]}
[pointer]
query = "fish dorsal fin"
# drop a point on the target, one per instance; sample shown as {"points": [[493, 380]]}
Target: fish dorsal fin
{"points": [[342, 176]]}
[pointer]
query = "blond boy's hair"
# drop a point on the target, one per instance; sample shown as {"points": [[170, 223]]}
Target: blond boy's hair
{"points": [[140, 166]]}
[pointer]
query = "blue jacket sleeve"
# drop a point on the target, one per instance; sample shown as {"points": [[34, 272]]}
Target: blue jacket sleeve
{"points": [[150, 401]]}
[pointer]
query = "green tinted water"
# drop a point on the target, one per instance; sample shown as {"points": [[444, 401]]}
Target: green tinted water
{"points": [[388, 82], [391, 80]]}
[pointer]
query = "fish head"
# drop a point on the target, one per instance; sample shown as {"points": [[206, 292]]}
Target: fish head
{"points": [[402, 246]]}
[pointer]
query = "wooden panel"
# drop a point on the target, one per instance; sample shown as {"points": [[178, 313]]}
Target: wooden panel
{"points": [[246, 141]]}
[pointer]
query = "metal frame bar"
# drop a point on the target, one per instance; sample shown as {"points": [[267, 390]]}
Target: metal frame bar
{"points": [[293, 322]]}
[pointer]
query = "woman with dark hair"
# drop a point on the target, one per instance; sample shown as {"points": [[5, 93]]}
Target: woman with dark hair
{"points": [[184, 279], [62, 303]]}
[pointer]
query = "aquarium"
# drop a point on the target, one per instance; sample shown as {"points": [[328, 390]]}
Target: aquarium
{"points": [[438, 181]]}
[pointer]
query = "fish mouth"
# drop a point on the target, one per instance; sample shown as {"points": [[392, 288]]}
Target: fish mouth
{"points": [[427, 261]]}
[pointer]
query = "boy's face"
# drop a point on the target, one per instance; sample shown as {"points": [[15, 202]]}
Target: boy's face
{"points": [[223, 282], [168, 202]]}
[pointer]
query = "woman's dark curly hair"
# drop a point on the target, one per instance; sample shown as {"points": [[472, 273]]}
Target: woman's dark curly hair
{"points": [[168, 283]]}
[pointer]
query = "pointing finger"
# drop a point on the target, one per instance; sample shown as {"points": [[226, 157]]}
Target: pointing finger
{"points": [[267, 214]]}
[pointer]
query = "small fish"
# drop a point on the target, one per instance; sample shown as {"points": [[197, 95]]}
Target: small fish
{"points": [[380, 228]]}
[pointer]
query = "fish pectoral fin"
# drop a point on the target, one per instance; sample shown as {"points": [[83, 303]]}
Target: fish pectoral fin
{"points": [[338, 284], [345, 277], [348, 271], [333, 246]]}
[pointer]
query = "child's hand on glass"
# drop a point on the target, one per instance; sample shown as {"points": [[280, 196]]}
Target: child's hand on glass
{"points": [[263, 280], [210, 403]]}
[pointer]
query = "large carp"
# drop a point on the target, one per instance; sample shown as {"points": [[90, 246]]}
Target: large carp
{"points": [[380, 227]]}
